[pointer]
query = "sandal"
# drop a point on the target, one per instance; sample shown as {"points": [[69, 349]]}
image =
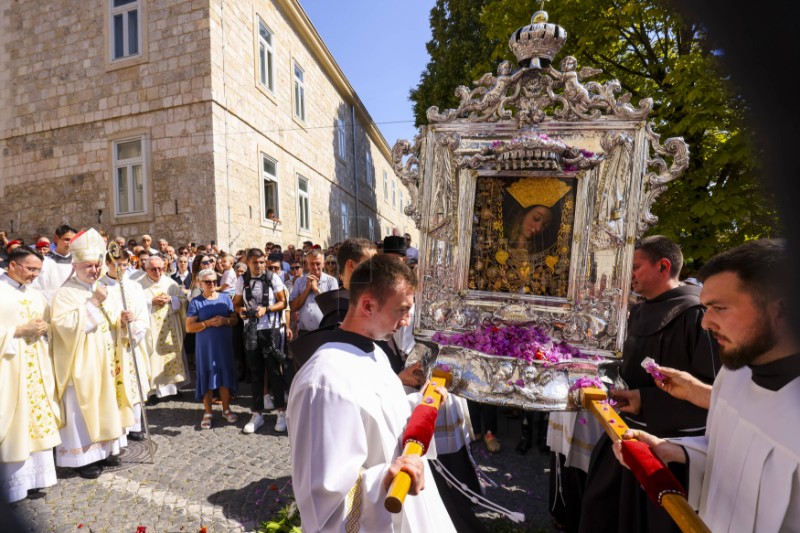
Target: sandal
{"points": [[230, 416], [206, 423]]}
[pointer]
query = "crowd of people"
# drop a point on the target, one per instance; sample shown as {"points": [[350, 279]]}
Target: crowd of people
{"points": [[88, 337]]}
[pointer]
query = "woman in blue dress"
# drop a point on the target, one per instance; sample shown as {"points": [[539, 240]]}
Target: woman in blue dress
{"points": [[211, 317]]}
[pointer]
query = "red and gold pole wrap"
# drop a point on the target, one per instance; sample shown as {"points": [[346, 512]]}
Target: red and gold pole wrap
{"points": [[417, 437], [657, 480]]}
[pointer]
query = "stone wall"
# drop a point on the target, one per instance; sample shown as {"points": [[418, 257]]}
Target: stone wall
{"points": [[194, 95]]}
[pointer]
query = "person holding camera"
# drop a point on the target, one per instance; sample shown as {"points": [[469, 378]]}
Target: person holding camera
{"points": [[259, 300]]}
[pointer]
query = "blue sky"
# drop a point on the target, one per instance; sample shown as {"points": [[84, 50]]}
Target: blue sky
{"points": [[380, 47]]}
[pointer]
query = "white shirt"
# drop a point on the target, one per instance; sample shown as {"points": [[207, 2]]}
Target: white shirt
{"points": [[310, 315], [269, 320]]}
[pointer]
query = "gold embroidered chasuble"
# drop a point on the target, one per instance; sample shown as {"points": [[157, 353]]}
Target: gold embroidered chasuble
{"points": [[165, 339], [86, 360], [30, 416]]}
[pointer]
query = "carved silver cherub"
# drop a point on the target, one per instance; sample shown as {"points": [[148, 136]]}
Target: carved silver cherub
{"points": [[576, 94]]}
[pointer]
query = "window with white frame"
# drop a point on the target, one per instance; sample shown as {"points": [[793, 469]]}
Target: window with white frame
{"points": [[370, 168], [394, 193], [126, 28], [388, 231], [129, 176], [299, 93], [385, 186], [340, 136], [303, 204], [345, 222], [401, 199], [266, 57], [371, 229], [269, 188]]}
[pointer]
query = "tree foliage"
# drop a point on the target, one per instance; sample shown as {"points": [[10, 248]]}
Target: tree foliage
{"points": [[457, 41], [654, 52]]}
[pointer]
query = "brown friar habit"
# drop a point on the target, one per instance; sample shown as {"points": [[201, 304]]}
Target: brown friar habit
{"points": [[666, 328]]}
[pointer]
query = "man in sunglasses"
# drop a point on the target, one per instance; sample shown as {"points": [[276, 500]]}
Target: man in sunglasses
{"points": [[167, 304]]}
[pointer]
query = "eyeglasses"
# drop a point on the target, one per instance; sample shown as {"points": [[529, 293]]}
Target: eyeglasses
{"points": [[298, 267], [330, 262], [274, 268], [207, 281], [207, 262]]}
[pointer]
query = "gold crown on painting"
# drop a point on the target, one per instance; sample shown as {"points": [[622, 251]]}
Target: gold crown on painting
{"points": [[538, 191], [536, 44]]}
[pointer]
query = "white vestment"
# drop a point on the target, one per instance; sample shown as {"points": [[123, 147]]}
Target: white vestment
{"points": [[53, 275], [744, 474], [128, 396], [346, 415], [29, 412], [573, 434]]}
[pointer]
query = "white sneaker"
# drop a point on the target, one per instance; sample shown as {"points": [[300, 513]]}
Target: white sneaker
{"points": [[256, 421], [280, 425], [268, 403]]}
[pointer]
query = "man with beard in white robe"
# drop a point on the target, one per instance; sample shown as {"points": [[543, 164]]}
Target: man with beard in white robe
{"points": [[30, 417], [347, 413], [128, 395], [167, 305], [744, 473]]}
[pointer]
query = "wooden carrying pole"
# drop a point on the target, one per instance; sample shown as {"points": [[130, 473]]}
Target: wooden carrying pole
{"points": [[416, 446], [595, 400]]}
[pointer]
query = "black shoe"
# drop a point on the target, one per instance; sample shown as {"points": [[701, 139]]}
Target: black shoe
{"points": [[111, 460], [153, 400], [91, 471], [135, 435], [523, 446]]}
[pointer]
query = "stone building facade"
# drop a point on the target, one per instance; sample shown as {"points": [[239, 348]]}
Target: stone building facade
{"points": [[186, 120]]}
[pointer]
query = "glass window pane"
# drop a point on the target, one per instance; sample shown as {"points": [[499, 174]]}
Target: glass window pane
{"points": [[270, 197], [119, 44], [264, 33], [133, 32], [118, 3], [303, 185], [122, 190], [298, 73], [129, 149], [270, 167], [262, 64], [138, 188], [270, 81]]}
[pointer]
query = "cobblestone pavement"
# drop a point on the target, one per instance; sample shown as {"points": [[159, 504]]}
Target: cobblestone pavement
{"points": [[226, 481]]}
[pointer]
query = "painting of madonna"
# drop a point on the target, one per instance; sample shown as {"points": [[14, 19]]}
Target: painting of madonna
{"points": [[532, 213]]}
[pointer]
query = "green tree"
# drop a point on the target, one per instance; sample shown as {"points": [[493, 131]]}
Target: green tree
{"points": [[654, 52], [457, 43]]}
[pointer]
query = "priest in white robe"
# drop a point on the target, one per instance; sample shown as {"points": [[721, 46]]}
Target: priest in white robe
{"points": [[167, 304], [30, 416], [57, 265], [85, 327], [346, 416], [128, 396], [744, 473]]}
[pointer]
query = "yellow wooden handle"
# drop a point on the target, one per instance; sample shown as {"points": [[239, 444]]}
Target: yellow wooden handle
{"points": [[677, 507], [398, 490], [683, 514]]}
